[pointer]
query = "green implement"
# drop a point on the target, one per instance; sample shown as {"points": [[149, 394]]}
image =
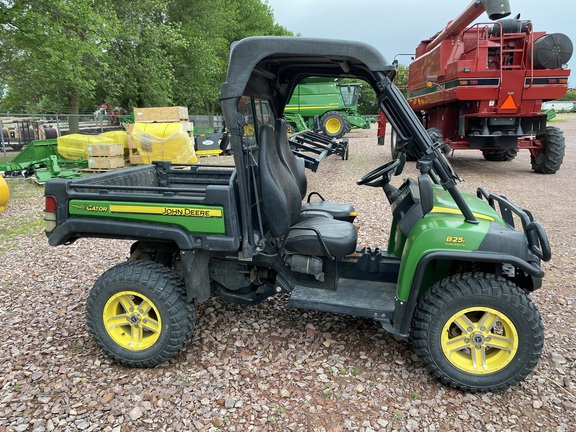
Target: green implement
{"points": [[325, 105]]}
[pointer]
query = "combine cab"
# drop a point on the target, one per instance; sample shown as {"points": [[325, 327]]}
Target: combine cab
{"points": [[481, 86]]}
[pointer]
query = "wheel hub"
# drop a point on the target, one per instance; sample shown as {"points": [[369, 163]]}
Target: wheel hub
{"points": [[333, 125], [132, 320], [479, 340]]}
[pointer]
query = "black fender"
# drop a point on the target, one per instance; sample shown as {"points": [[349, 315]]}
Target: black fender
{"points": [[404, 310], [74, 228]]}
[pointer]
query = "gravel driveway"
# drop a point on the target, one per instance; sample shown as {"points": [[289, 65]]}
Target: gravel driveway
{"points": [[270, 367]]}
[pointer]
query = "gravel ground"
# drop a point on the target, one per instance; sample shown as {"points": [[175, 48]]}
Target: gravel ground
{"points": [[270, 367]]}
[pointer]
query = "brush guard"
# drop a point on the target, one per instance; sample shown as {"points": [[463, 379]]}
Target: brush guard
{"points": [[535, 234]]}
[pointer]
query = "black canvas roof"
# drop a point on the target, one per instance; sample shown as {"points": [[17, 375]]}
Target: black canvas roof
{"points": [[284, 61]]}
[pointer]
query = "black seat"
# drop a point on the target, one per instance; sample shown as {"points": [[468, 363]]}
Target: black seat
{"points": [[281, 206], [295, 166]]}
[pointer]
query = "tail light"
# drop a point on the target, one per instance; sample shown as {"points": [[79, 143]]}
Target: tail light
{"points": [[50, 213]]}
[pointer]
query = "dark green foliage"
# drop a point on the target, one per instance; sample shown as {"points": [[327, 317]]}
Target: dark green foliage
{"points": [[69, 55], [570, 96]]}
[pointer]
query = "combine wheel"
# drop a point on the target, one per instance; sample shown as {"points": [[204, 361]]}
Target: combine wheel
{"points": [[393, 144], [550, 160], [334, 124], [500, 155], [138, 314], [410, 156], [477, 332]]}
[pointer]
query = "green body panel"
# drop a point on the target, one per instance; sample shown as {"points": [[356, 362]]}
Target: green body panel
{"points": [[311, 99], [357, 121], [297, 120], [443, 229], [38, 150], [480, 208], [194, 218]]}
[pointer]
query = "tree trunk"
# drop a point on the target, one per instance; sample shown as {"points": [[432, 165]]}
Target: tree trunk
{"points": [[74, 109], [209, 106]]}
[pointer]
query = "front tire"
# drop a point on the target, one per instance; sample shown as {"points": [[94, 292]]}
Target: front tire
{"points": [[500, 155], [334, 124], [477, 332], [138, 314], [551, 159]]}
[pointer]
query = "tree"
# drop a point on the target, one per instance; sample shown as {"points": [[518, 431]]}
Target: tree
{"points": [[367, 102], [68, 55], [54, 51], [200, 64], [140, 57], [570, 96], [401, 79], [209, 27]]}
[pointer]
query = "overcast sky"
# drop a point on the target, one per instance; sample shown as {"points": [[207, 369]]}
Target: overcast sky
{"points": [[397, 27]]}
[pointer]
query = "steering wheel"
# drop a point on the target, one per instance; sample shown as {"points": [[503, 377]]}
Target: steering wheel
{"points": [[386, 171]]}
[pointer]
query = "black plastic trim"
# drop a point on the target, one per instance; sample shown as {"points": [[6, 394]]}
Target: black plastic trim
{"points": [[74, 228], [404, 310]]}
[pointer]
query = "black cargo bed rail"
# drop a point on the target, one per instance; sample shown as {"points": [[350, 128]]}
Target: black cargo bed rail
{"points": [[158, 179]]}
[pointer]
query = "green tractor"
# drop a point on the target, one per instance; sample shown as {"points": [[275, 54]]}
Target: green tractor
{"points": [[455, 277], [325, 105]]}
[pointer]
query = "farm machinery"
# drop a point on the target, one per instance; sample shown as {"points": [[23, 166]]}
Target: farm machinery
{"points": [[481, 86], [327, 106]]}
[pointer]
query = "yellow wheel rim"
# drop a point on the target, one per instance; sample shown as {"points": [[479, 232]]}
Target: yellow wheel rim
{"points": [[132, 320], [333, 125], [479, 340]]}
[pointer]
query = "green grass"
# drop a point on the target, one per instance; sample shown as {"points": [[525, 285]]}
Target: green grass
{"points": [[9, 155], [21, 223], [23, 189], [9, 236], [26, 228]]}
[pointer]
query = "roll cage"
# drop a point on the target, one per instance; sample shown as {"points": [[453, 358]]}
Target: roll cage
{"points": [[269, 68]]}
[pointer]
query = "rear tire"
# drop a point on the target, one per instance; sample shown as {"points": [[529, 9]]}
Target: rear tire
{"points": [[138, 314], [500, 155], [554, 147], [334, 124], [477, 332]]}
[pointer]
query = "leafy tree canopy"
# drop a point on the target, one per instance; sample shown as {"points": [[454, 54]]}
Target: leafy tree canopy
{"points": [[69, 55]]}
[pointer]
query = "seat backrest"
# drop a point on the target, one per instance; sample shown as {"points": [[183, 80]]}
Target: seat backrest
{"points": [[294, 164], [281, 201]]}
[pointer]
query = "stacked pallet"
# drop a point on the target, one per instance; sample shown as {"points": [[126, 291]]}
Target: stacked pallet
{"points": [[160, 133], [105, 156], [103, 152], [175, 114]]}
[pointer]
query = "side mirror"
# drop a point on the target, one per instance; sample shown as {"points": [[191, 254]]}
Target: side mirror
{"points": [[425, 187], [426, 193]]}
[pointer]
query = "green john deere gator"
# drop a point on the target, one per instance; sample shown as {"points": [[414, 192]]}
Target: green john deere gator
{"points": [[455, 278]]}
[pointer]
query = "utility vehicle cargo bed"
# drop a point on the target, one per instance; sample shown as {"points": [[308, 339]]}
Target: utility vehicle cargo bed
{"points": [[192, 205]]}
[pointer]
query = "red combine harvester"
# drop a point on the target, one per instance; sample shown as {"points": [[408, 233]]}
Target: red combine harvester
{"points": [[481, 86]]}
